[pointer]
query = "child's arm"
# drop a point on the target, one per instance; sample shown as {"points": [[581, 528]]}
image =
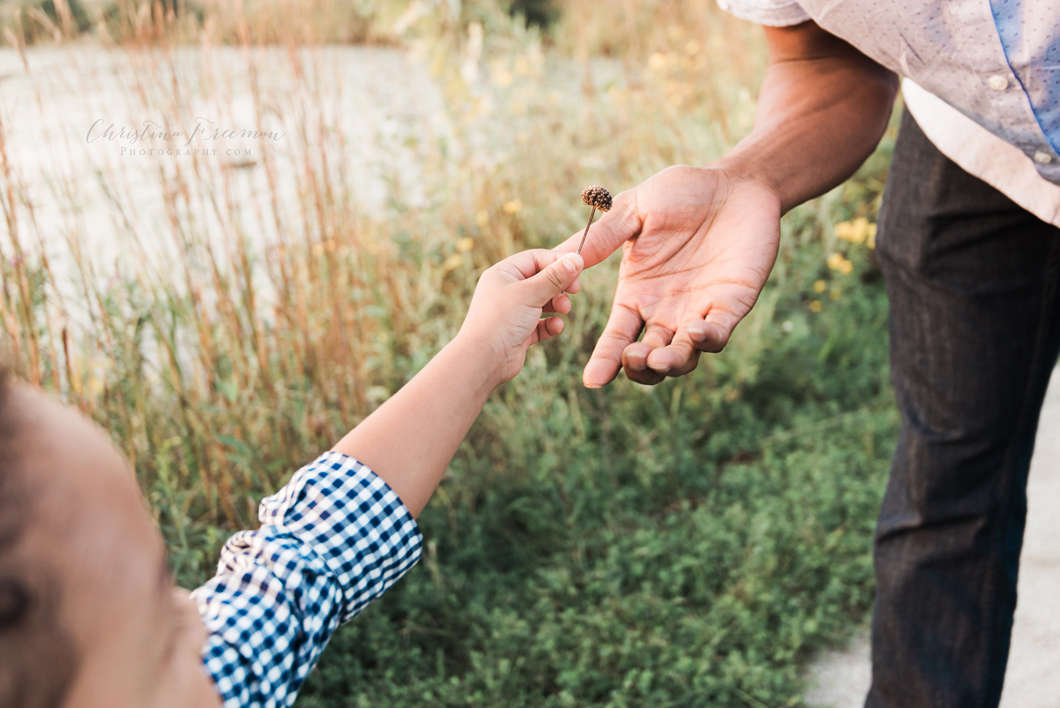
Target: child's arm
{"points": [[341, 532], [410, 440]]}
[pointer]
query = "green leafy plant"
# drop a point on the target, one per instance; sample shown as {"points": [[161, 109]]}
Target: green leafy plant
{"points": [[683, 545]]}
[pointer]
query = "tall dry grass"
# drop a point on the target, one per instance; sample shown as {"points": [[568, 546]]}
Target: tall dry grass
{"points": [[228, 317], [272, 325]]}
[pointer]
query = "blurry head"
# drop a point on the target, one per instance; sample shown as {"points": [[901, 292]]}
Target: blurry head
{"points": [[89, 615]]}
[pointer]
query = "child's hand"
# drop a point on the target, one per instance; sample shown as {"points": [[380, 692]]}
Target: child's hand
{"points": [[505, 313]]}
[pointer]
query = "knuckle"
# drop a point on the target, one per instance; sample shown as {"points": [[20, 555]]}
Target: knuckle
{"points": [[714, 347], [649, 380], [689, 366], [643, 376], [555, 277], [613, 337]]}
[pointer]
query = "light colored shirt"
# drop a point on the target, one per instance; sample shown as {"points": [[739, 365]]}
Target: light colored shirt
{"points": [[987, 71], [334, 539]]}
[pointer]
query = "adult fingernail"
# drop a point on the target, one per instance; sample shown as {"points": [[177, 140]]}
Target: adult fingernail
{"points": [[697, 332], [636, 360], [574, 262]]}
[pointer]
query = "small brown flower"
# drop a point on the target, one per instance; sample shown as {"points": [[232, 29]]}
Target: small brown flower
{"points": [[597, 196]]}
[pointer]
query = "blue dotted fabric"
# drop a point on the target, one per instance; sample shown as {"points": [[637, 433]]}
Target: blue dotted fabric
{"points": [[1030, 35], [996, 61]]}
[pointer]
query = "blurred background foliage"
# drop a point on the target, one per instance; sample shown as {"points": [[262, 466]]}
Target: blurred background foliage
{"points": [[686, 544]]}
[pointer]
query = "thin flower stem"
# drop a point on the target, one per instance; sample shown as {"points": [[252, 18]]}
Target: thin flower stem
{"points": [[586, 232]]}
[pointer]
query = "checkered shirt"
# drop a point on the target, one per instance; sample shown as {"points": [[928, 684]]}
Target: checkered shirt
{"points": [[334, 539]]}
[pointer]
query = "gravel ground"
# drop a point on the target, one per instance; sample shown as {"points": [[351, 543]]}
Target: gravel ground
{"points": [[841, 679]]}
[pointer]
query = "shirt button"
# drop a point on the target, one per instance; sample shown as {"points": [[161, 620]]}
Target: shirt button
{"points": [[998, 82], [1042, 157]]}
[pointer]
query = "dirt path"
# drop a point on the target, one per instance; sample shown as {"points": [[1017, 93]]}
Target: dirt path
{"points": [[841, 679]]}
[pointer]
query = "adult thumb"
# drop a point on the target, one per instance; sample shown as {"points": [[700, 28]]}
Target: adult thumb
{"points": [[608, 232], [555, 278]]}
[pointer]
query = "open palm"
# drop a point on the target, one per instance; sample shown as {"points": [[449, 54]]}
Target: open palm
{"points": [[697, 247]]}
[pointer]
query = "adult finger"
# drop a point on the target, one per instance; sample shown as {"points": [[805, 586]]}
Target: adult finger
{"points": [[644, 375], [712, 333], [676, 359], [553, 279], [609, 231], [635, 356], [622, 328]]}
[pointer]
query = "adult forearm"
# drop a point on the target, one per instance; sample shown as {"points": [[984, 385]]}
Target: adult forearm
{"points": [[822, 109]]}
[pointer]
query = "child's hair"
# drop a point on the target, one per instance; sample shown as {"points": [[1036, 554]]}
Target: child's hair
{"points": [[38, 659]]}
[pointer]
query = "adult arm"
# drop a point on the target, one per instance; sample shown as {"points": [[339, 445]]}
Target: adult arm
{"points": [[699, 242], [822, 109]]}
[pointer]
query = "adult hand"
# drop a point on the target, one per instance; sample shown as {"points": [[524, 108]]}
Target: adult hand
{"points": [[697, 246], [698, 243]]}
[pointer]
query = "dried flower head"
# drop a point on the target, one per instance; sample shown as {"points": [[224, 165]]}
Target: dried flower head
{"points": [[597, 196]]}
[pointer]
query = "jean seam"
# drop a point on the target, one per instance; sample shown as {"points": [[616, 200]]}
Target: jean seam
{"points": [[1008, 480]]}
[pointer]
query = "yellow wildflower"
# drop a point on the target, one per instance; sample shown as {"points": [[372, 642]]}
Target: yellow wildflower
{"points": [[502, 78], [848, 231], [657, 61], [815, 306], [464, 245], [513, 206], [857, 231], [820, 286], [94, 386], [837, 262], [482, 218], [453, 262]]}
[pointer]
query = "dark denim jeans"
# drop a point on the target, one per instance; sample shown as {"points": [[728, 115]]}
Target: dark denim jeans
{"points": [[975, 332]]}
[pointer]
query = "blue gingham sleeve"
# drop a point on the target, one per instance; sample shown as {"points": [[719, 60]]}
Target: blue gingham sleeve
{"points": [[334, 539]]}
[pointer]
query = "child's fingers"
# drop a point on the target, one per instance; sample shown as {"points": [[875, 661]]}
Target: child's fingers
{"points": [[560, 304], [554, 278], [526, 264], [547, 329]]}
